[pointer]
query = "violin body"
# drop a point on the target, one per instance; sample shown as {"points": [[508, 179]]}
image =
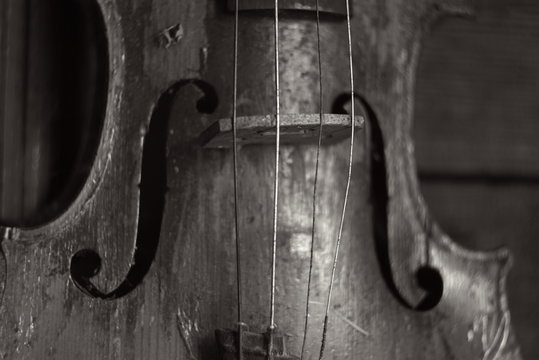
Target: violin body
{"points": [[142, 264]]}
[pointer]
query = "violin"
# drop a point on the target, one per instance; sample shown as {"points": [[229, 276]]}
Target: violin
{"points": [[254, 195]]}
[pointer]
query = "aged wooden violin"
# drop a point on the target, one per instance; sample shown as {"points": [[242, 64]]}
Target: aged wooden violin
{"points": [[254, 196]]}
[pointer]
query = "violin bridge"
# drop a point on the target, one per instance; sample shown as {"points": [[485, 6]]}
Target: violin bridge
{"points": [[294, 129], [254, 345], [328, 6]]}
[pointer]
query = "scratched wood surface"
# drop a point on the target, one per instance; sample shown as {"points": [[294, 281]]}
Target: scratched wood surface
{"points": [[170, 71], [503, 214], [477, 149]]}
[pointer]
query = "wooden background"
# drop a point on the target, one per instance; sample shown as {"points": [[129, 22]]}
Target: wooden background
{"points": [[477, 121], [477, 131]]}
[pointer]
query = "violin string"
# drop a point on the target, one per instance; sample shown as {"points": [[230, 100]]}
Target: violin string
{"points": [[341, 225], [315, 192], [236, 193], [276, 184]]}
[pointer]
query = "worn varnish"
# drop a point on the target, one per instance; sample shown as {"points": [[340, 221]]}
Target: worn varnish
{"points": [[476, 150], [159, 221]]}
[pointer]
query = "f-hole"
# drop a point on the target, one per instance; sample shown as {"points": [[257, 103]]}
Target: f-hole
{"points": [[86, 263], [427, 277]]}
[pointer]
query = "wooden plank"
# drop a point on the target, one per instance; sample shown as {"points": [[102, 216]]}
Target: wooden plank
{"points": [[476, 105], [484, 216], [477, 147]]}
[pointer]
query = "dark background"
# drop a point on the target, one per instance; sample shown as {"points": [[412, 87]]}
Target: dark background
{"points": [[476, 126], [477, 142]]}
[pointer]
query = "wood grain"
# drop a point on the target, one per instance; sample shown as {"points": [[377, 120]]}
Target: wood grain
{"points": [[484, 216], [477, 107], [189, 290], [476, 148]]}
